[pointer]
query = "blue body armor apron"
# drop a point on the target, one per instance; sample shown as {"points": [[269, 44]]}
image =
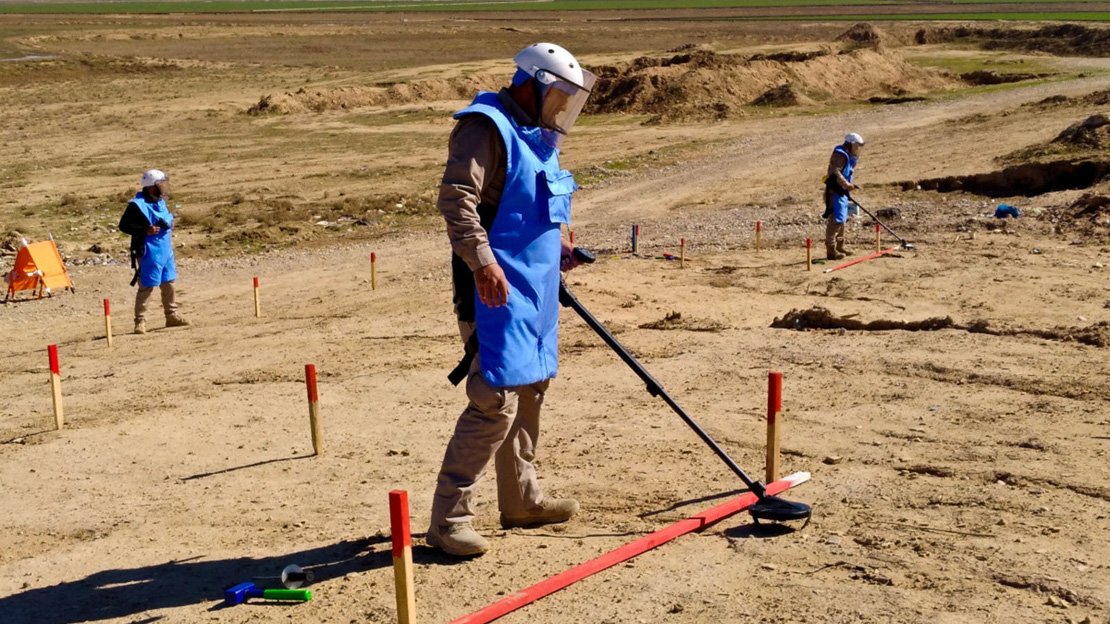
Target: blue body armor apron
{"points": [[518, 343], [157, 265], [839, 195]]}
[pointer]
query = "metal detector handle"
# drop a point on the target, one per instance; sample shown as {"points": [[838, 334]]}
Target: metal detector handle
{"points": [[568, 300], [876, 220], [584, 256]]}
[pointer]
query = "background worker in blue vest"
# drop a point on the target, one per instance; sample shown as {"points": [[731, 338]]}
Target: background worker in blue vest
{"points": [[504, 198], [149, 223], [838, 185]]}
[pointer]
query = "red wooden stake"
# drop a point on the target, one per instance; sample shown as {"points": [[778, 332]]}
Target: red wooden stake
{"points": [[809, 254], [774, 406], [682, 255], [313, 408], [402, 556], [257, 302], [878, 238], [758, 234], [572, 237], [56, 386]]}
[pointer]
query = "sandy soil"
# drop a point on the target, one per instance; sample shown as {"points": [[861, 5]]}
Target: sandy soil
{"points": [[957, 477]]}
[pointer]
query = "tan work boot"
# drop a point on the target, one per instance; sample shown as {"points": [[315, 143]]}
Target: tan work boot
{"points": [[550, 511], [841, 249], [176, 321], [460, 540], [834, 254], [140, 327]]}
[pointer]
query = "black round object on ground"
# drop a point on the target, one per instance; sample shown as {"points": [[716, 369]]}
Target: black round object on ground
{"points": [[779, 509]]}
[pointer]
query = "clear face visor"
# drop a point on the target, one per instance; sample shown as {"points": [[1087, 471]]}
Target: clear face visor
{"points": [[563, 101], [160, 189]]}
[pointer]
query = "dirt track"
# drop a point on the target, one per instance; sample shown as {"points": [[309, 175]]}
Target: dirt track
{"points": [[956, 476]]}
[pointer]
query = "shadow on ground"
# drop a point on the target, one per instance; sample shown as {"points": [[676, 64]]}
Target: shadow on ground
{"points": [[124, 593]]}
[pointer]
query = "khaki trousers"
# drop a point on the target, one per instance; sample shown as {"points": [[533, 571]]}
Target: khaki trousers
{"points": [[834, 236], [169, 301], [501, 424]]}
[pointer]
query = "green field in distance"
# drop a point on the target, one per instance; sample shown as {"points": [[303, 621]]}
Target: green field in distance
{"points": [[963, 9]]}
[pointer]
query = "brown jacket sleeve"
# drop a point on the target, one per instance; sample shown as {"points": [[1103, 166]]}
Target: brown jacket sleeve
{"points": [[836, 169], [475, 175]]}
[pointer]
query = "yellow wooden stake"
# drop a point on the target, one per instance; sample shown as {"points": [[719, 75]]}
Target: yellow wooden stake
{"points": [[373, 271], [108, 323], [313, 408], [402, 556], [56, 387], [774, 406]]}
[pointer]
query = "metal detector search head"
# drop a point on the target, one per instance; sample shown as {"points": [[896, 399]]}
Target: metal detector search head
{"points": [[778, 509], [767, 507]]}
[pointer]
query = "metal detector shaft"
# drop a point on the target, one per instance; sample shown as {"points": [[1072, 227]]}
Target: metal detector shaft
{"points": [[876, 219], [568, 300]]}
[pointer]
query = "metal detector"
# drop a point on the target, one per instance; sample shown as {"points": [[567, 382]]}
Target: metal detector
{"points": [[905, 245], [768, 507]]}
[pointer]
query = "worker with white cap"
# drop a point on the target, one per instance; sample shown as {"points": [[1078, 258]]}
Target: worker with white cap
{"points": [[149, 222], [505, 198], [838, 185]]}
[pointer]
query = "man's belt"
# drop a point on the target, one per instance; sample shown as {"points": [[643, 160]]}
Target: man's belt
{"points": [[471, 349]]}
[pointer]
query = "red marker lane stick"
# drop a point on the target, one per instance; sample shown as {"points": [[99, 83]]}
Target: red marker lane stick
{"points": [[809, 254], [774, 407], [878, 238], [626, 552], [313, 408], [571, 237], [108, 323], [257, 303], [858, 260], [682, 255], [758, 234], [402, 556], [56, 386], [373, 271]]}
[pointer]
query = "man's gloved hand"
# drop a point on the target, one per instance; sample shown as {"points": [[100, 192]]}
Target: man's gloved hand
{"points": [[493, 286], [568, 260]]}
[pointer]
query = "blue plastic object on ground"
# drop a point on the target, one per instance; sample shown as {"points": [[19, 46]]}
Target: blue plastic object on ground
{"points": [[1006, 210]]}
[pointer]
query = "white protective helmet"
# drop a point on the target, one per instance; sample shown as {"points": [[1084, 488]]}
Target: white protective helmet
{"points": [[564, 85], [853, 139], [152, 177]]}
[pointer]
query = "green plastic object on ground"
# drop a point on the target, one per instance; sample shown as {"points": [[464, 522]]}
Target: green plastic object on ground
{"points": [[244, 591], [303, 595]]}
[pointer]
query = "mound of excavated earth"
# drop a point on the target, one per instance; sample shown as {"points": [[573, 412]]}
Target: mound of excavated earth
{"points": [[705, 85], [1061, 39]]}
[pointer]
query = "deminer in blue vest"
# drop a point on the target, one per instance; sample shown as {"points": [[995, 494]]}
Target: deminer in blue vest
{"points": [[150, 223], [505, 198], [838, 184]]}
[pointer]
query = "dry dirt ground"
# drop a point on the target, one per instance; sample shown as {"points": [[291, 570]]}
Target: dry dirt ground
{"points": [[957, 476]]}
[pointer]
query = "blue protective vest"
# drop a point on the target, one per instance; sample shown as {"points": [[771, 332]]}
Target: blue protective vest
{"points": [[518, 343], [157, 264], [839, 195]]}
